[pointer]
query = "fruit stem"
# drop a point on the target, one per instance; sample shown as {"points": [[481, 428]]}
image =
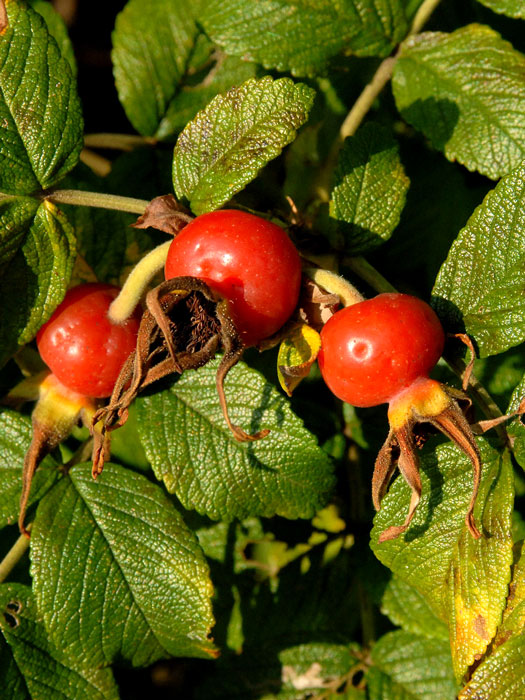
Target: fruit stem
{"points": [[97, 199], [136, 284], [334, 284], [369, 274], [120, 142], [97, 163], [13, 556]]}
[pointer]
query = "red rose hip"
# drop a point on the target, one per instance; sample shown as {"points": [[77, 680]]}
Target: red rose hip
{"points": [[251, 262]]}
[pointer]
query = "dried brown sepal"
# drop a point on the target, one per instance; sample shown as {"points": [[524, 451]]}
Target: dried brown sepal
{"points": [[165, 214], [184, 326], [316, 305], [470, 365], [425, 401], [483, 425], [4, 22]]}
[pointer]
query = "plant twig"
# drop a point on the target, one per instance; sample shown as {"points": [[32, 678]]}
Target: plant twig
{"points": [[118, 142], [13, 556], [97, 199], [98, 164]]}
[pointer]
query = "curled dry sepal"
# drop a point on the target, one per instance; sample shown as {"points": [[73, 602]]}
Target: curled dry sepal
{"points": [[185, 324]]}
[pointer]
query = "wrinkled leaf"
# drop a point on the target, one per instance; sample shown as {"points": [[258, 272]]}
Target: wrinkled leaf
{"points": [[408, 608], [406, 667], [516, 428], [15, 436], [227, 143], [480, 284], [466, 92], [501, 676], [192, 450], [115, 567], [370, 189], [32, 667], [297, 352], [58, 30], [40, 112], [512, 8], [37, 254], [300, 37], [463, 580]]}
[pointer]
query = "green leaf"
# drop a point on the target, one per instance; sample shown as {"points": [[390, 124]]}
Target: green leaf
{"points": [[116, 572], [512, 8], [463, 580], [300, 37], [480, 285], [513, 622], [37, 251], [150, 53], [466, 92], [191, 449], [406, 667], [501, 676], [58, 30], [31, 667], [409, 609], [370, 189], [516, 428], [40, 112], [227, 144], [225, 72], [15, 436]]}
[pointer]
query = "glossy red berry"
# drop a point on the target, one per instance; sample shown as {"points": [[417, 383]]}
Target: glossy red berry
{"points": [[373, 350], [248, 260], [81, 345]]}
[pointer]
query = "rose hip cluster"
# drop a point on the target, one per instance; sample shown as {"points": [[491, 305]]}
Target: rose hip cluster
{"points": [[233, 280]]}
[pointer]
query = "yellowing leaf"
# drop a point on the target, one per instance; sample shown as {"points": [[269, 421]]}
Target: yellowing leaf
{"points": [[297, 354]]}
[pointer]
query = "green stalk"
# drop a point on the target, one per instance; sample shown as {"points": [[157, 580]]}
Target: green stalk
{"points": [[97, 199], [13, 556]]}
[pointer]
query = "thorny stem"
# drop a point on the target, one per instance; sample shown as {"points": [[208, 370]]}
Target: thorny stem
{"points": [[118, 142], [97, 199], [13, 556], [137, 282]]}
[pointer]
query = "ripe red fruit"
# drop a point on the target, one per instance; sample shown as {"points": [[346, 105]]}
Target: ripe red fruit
{"points": [[81, 345], [374, 349], [250, 261]]}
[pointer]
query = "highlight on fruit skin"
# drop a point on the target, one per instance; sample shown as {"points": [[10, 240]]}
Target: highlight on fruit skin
{"points": [[381, 351]]}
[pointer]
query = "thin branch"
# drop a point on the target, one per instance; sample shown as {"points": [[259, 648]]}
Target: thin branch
{"points": [[97, 199], [13, 556]]}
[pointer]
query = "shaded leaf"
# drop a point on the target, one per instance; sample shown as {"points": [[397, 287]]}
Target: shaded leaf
{"points": [[32, 667], [406, 666], [370, 189], [297, 352], [114, 565], [409, 609], [480, 284], [15, 436], [151, 50], [516, 428], [463, 580], [37, 255], [192, 450], [227, 143], [300, 37], [465, 91], [40, 112]]}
